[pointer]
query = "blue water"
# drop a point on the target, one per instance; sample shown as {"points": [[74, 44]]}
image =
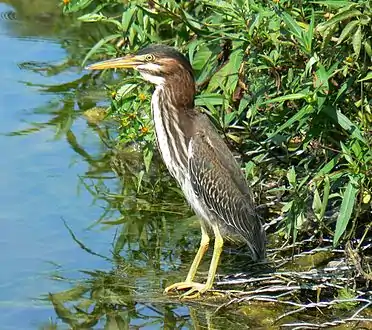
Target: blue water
{"points": [[39, 186]]}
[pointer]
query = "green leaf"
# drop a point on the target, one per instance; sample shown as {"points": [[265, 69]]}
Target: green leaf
{"points": [[345, 87], [292, 25], [322, 78], [209, 99], [140, 176], [367, 47], [308, 37], [128, 18], [193, 23], [125, 90], [203, 63], [338, 18], [91, 18], [333, 3], [63, 312], [286, 207], [326, 190], [192, 48], [305, 111], [291, 175], [98, 45], [357, 41], [367, 77], [287, 97], [71, 294], [328, 167], [347, 206], [79, 5], [314, 59], [348, 29], [347, 154], [345, 123], [327, 35], [229, 118], [228, 76], [317, 204], [147, 157], [357, 150]]}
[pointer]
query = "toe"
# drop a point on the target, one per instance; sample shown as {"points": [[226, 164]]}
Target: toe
{"points": [[194, 289], [178, 286]]}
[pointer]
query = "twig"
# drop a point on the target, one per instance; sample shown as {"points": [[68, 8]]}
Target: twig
{"points": [[289, 287]]}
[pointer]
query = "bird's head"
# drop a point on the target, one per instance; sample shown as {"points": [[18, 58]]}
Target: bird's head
{"points": [[157, 64]]}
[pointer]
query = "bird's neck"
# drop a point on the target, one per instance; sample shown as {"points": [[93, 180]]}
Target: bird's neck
{"points": [[179, 91], [175, 101], [173, 112]]}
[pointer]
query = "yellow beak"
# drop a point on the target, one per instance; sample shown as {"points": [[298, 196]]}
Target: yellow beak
{"points": [[129, 61]]}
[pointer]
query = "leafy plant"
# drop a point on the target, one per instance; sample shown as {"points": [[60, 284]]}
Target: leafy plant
{"points": [[289, 85]]}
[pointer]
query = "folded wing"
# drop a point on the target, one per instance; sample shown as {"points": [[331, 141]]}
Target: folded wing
{"points": [[217, 179]]}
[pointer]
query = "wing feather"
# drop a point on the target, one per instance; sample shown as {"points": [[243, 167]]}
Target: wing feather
{"points": [[217, 179]]}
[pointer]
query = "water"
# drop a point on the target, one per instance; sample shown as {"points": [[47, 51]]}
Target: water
{"points": [[62, 226], [39, 181]]}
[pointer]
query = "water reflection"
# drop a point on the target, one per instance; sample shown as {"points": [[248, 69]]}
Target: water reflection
{"points": [[129, 296], [153, 247]]}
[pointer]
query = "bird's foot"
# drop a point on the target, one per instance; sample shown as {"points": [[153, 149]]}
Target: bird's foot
{"points": [[194, 289]]}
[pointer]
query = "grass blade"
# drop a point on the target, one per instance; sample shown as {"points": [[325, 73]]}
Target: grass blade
{"points": [[345, 123], [338, 18], [346, 210], [98, 45], [357, 41], [305, 111]]}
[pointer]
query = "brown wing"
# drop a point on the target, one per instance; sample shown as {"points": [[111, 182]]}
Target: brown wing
{"points": [[217, 179]]}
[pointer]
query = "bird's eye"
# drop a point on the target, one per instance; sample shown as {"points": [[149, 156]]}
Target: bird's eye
{"points": [[149, 58]]}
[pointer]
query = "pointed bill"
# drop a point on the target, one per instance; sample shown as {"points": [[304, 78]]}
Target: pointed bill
{"points": [[130, 61]]}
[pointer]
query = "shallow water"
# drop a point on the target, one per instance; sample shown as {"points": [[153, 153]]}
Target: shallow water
{"points": [[39, 175], [63, 225]]}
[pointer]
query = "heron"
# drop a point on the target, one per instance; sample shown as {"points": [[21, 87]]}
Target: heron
{"points": [[198, 158]]}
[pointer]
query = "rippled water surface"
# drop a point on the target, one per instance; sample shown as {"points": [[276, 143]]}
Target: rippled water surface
{"points": [[39, 174]]}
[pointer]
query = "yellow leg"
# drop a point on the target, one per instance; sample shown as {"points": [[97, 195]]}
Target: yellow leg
{"points": [[204, 243], [196, 288], [218, 245]]}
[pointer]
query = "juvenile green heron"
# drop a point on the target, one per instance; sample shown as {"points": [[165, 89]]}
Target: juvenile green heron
{"points": [[197, 158]]}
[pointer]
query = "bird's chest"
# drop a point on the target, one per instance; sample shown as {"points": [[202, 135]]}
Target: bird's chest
{"points": [[175, 153], [166, 142]]}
